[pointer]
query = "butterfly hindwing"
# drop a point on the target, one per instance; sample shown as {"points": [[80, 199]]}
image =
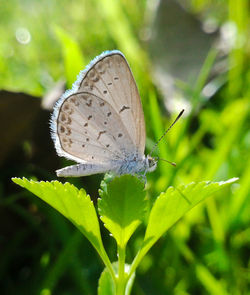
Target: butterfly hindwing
{"points": [[90, 130]]}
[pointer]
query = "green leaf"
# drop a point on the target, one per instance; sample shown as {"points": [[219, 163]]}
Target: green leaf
{"points": [[170, 206], [72, 55], [74, 204], [106, 285], [122, 206]]}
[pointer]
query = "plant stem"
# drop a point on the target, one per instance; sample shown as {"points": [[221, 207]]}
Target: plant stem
{"points": [[121, 279], [141, 253], [134, 264]]}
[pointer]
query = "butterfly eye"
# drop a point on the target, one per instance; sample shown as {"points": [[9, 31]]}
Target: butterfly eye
{"points": [[151, 162]]}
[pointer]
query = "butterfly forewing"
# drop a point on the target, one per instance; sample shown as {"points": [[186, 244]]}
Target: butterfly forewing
{"points": [[89, 129], [111, 79]]}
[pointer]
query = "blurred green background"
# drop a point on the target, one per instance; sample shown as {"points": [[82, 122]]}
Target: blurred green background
{"points": [[192, 54]]}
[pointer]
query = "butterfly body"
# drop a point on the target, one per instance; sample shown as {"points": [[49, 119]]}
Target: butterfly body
{"points": [[128, 166], [100, 122]]}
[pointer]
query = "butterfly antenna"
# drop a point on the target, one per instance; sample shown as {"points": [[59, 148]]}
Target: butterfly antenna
{"points": [[171, 163], [154, 147]]}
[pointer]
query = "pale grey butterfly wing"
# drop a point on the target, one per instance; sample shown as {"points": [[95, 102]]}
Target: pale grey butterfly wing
{"points": [[100, 122], [111, 79], [85, 127]]}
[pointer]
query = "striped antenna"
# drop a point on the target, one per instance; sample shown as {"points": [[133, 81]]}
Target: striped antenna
{"points": [[154, 147]]}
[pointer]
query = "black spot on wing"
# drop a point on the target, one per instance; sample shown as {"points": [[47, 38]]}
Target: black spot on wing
{"points": [[124, 108], [100, 133]]}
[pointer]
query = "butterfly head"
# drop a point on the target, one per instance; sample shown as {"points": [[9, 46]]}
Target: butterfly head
{"points": [[151, 164]]}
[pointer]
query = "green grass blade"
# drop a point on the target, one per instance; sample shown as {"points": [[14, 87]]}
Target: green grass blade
{"points": [[208, 280], [55, 272], [72, 55]]}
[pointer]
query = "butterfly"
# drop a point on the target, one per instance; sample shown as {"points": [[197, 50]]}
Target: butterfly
{"points": [[99, 123]]}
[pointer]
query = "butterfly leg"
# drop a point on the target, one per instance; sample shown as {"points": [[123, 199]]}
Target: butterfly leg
{"points": [[142, 177]]}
